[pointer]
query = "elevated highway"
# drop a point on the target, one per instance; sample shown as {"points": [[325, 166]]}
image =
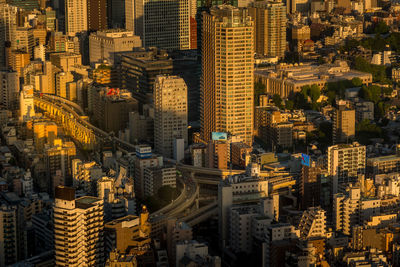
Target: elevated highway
{"points": [[69, 115]]}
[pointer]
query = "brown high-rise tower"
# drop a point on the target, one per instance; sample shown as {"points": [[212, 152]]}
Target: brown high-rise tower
{"points": [[227, 73], [97, 15]]}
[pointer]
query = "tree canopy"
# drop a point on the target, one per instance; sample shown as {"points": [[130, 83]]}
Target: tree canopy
{"points": [[277, 100]]}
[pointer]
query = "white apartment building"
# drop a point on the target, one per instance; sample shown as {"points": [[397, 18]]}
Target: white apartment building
{"points": [[388, 184], [313, 223], [156, 177], [170, 113], [140, 165], [78, 229], [351, 209], [76, 16], [83, 174], [345, 163], [105, 189], [191, 249], [240, 234], [105, 45], [26, 106], [239, 187]]}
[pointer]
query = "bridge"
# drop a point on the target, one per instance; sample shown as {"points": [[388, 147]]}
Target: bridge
{"points": [[185, 208], [71, 117]]}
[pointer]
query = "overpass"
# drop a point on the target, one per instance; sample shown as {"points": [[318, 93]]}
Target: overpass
{"points": [[71, 117]]}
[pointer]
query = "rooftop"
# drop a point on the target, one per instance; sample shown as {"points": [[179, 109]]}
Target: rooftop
{"points": [[384, 158], [86, 202]]}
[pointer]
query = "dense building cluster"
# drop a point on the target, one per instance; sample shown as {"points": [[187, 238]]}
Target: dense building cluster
{"points": [[199, 133]]}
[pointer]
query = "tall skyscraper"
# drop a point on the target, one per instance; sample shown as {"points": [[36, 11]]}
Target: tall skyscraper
{"points": [[227, 73], [78, 229], [9, 91], [8, 30], [76, 16], [344, 123], [116, 14], [97, 15], [270, 28], [162, 24], [345, 163], [170, 113]]}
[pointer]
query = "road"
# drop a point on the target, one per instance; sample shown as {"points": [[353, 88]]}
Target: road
{"points": [[190, 188]]}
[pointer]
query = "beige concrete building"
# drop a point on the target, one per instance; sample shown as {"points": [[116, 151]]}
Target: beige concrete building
{"points": [[383, 164], [111, 107], [287, 78], [8, 235], [78, 229], [25, 39], [301, 32], [18, 60], [105, 45], [176, 231], [129, 234], [63, 79], [344, 123], [156, 177], [345, 163], [170, 113], [26, 103], [270, 28], [65, 60], [313, 223], [76, 19], [44, 132], [141, 163], [227, 77], [350, 209]]}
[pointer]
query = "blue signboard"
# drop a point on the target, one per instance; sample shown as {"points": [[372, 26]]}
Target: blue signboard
{"points": [[215, 136], [305, 160]]}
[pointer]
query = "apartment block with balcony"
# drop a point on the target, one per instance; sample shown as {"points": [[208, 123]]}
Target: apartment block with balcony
{"points": [[78, 229]]}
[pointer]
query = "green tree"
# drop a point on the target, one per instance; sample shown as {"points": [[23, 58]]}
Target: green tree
{"points": [[259, 89], [331, 97], [300, 101], [167, 193], [314, 93], [289, 104], [387, 90], [357, 82], [378, 72], [277, 100], [381, 27], [365, 130], [371, 93], [381, 109]]}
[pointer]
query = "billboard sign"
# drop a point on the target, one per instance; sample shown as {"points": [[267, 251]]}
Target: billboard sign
{"points": [[143, 152], [215, 136], [305, 160]]}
